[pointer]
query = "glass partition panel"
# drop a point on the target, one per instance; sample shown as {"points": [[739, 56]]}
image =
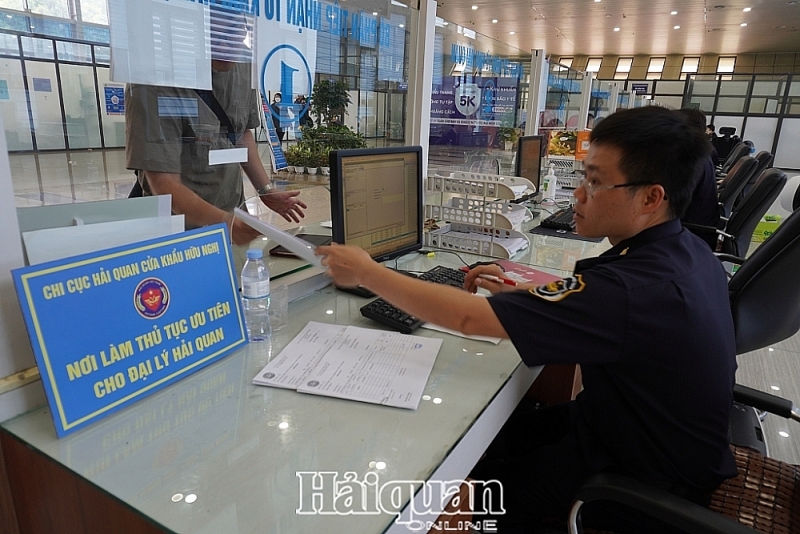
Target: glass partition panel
{"points": [[45, 105], [77, 52], [738, 86], [13, 107], [600, 102], [730, 104], [102, 55], [794, 87], [476, 102], [38, 48], [80, 106], [9, 45], [705, 103], [667, 87], [701, 86]]}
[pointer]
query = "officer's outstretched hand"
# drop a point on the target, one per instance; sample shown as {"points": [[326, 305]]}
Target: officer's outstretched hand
{"points": [[346, 264], [286, 204], [472, 281]]}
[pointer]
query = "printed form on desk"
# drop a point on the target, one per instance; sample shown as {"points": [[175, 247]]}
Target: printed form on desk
{"points": [[354, 363]]}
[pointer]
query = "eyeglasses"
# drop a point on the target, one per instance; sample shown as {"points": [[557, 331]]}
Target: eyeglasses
{"points": [[591, 188]]}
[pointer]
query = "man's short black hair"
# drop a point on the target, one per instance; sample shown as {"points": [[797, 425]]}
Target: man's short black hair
{"points": [[658, 146]]}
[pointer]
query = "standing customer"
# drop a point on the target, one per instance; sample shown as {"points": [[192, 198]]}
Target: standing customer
{"points": [[171, 132]]}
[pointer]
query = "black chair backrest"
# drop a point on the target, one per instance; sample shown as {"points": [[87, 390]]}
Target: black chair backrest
{"points": [[765, 291], [746, 217], [734, 182], [764, 160], [736, 152], [725, 141]]}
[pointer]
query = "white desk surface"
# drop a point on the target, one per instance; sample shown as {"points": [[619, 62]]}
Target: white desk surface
{"points": [[237, 446]]}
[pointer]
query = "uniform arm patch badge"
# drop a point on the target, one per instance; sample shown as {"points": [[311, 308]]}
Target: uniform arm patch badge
{"points": [[559, 289]]}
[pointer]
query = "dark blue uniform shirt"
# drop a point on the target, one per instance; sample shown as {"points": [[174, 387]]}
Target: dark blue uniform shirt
{"points": [[650, 323]]}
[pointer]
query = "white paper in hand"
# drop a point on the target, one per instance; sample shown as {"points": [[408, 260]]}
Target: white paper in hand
{"points": [[300, 247]]}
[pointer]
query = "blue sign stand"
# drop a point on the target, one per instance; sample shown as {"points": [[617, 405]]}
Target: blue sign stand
{"points": [[111, 327]]}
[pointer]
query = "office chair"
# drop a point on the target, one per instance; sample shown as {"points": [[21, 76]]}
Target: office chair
{"points": [[766, 493], [735, 238], [739, 151], [725, 141], [733, 183], [764, 159]]}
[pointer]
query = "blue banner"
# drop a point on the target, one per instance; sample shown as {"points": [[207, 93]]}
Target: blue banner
{"points": [[111, 327]]}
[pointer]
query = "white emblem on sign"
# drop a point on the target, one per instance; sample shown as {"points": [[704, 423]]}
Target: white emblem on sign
{"points": [[468, 98]]}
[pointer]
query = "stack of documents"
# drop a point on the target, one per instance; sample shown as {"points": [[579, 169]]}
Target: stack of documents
{"points": [[354, 363]]}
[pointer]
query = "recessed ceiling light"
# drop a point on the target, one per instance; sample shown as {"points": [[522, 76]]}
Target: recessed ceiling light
{"points": [[676, 27], [474, 8], [402, 25], [775, 388], [673, 12], [608, 15], [743, 24], [494, 21], [747, 9], [511, 33], [374, 13], [783, 434], [597, 0], [616, 29], [782, 26]]}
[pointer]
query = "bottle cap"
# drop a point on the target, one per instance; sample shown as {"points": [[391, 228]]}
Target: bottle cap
{"points": [[254, 253]]}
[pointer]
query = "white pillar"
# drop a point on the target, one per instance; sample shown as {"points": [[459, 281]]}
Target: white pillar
{"points": [[420, 81], [15, 348], [538, 90]]}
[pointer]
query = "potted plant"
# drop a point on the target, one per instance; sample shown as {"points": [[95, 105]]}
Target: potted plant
{"points": [[508, 136], [329, 101], [293, 156]]}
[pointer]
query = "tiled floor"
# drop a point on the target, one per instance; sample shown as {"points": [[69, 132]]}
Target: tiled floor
{"points": [[65, 177]]}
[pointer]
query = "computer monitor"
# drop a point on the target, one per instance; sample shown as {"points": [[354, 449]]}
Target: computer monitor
{"points": [[376, 199], [530, 151]]}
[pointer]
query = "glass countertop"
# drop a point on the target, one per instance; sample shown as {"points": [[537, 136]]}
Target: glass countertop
{"points": [[234, 448]]}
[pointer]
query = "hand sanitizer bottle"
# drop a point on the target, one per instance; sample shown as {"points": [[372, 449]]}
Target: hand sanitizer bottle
{"points": [[549, 184]]}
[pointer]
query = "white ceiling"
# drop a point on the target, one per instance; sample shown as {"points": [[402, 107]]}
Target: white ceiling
{"points": [[586, 27]]}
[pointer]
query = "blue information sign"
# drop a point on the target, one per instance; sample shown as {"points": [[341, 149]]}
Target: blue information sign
{"points": [[115, 100], [111, 327]]}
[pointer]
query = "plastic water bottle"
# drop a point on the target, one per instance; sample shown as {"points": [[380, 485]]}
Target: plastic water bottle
{"points": [[255, 296]]}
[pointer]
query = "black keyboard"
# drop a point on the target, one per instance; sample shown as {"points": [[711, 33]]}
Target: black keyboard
{"points": [[388, 315], [560, 220]]}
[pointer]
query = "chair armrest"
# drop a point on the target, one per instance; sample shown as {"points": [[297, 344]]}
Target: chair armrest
{"points": [[765, 401], [729, 258], [657, 503]]}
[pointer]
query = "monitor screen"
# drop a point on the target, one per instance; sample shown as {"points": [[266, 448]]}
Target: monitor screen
{"points": [[529, 159], [376, 199]]}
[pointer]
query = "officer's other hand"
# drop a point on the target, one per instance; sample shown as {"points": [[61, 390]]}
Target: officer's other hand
{"points": [[346, 264], [286, 204], [472, 280], [242, 233]]}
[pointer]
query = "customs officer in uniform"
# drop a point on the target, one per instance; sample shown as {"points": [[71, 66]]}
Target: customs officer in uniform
{"points": [[648, 320]]}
